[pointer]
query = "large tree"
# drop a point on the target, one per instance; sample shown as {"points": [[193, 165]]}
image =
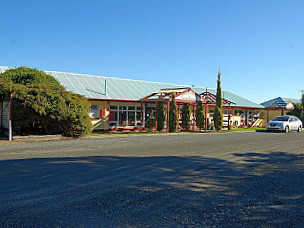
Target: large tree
{"points": [[186, 115], [173, 116], [218, 111], [160, 116], [199, 116], [39, 99]]}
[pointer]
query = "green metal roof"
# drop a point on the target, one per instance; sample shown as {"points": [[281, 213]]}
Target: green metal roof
{"points": [[93, 87]]}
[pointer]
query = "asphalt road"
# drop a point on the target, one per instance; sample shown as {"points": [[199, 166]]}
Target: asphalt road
{"points": [[193, 180]]}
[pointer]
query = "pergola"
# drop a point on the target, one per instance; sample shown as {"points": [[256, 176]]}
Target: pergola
{"points": [[277, 105], [182, 96], [211, 100]]}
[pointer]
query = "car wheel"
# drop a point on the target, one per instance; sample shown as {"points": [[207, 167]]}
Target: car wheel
{"points": [[286, 129], [299, 129]]}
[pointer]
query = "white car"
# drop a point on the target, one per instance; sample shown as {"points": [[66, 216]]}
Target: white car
{"points": [[285, 123]]}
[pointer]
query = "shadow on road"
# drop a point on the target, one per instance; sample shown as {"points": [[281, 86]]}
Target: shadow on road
{"points": [[256, 190]]}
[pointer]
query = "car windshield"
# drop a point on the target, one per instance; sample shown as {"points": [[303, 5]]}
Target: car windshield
{"points": [[281, 118]]}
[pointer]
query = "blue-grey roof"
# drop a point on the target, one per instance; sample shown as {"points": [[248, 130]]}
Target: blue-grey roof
{"points": [[93, 87], [280, 100]]}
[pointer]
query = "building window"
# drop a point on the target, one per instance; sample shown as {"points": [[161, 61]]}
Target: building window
{"points": [[94, 111], [122, 116], [237, 112], [250, 117], [131, 116], [138, 116]]}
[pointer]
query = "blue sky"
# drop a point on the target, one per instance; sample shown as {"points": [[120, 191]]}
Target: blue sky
{"points": [[258, 45]]}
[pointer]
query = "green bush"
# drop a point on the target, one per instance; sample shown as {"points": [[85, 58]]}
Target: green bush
{"points": [[186, 115], [151, 121], [160, 116], [199, 116], [40, 99], [173, 116]]}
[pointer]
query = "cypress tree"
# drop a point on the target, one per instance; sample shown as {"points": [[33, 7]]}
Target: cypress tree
{"points": [[186, 114], [160, 116], [173, 116], [151, 121], [199, 116], [218, 112]]}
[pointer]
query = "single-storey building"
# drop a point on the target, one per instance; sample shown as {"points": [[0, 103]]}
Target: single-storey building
{"points": [[117, 103]]}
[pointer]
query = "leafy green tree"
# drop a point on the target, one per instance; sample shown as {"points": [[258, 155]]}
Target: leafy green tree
{"points": [[218, 112], [199, 116], [160, 116], [173, 116], [151, 121], [186, 114], [39, 99]]}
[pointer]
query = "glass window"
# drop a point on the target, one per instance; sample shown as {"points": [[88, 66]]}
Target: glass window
{"points": [[281, 118], [122, 117], [94, 111], [137, 116], [122, 107], [237, 112], [113, 107], [131, 118], [138, 108], [94, 107], [131, 108], [113, 115]]}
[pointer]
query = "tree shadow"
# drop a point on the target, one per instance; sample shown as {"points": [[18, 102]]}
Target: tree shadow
{"points": [[256, 190]]}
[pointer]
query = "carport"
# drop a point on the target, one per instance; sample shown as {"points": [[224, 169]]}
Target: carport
{"points": [[277, 105]]}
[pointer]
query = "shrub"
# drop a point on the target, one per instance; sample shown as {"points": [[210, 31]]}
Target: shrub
{"points": [[39, 98], [173, 116], [160, 116], [151, 121], [186, 114], [199, 116]]}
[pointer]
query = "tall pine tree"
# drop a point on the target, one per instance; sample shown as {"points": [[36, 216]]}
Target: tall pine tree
{"points": [[218, 112], [160, 116], [173, 116], [199, 116]]}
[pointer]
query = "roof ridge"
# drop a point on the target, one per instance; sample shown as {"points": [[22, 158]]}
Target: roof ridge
{"points": [[127, 79]]}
